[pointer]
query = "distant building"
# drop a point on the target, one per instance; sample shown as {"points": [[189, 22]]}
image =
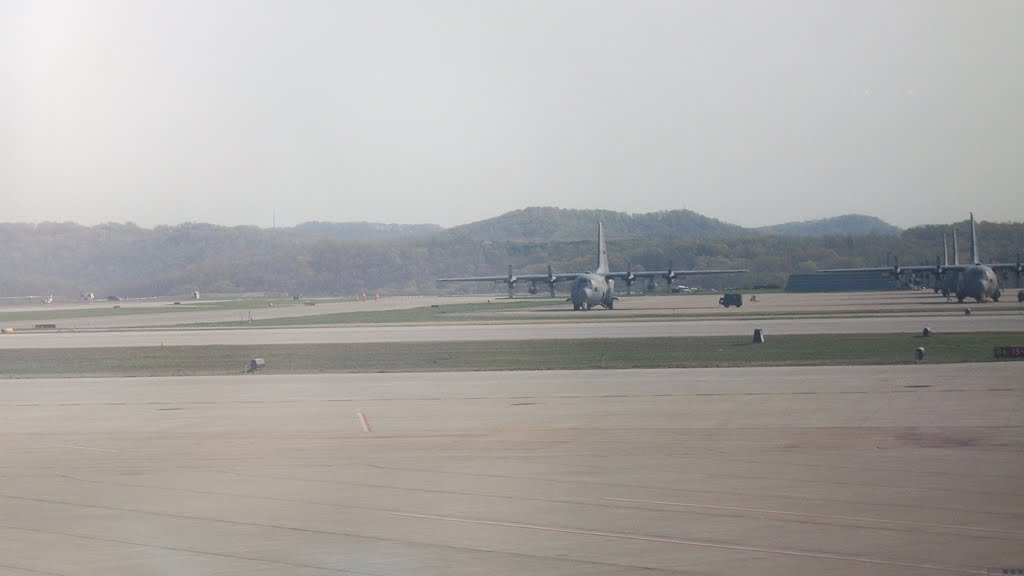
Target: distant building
{"points": [[858, 281]]}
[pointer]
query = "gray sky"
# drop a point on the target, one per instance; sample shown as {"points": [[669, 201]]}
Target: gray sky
{"points": [[754, 112]]}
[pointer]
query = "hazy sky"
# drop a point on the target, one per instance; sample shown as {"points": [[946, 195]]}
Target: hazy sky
{"points": [[755, 112]]}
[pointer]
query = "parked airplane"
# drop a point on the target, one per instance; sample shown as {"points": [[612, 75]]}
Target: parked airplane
{"points": [[589, 289], [975, 280]]}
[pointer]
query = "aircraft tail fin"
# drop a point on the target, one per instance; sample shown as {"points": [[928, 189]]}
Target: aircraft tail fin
{"points": [[956, 250], [974, 243], [602, 251]]}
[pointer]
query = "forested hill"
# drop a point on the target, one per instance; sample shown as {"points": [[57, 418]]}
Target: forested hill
{"points": [[362, 230], [538, 223], [566, 224], [126, 260], [847, 224]]}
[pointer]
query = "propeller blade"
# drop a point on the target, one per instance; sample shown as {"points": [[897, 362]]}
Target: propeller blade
{"points": [[511, 281]]}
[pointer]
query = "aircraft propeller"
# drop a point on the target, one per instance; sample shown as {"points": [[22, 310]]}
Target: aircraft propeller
{"points": [[511, 281], [551, 281], [669, 276], [629, 278]]}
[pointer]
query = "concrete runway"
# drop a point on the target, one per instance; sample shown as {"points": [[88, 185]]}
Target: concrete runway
{"points": [[890, 315], [585, 328], [134, 314], [101, 315], [899, 302], [909, 470]]}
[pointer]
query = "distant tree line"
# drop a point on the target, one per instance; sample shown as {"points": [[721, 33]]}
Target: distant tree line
{"points": [[66, 259]]}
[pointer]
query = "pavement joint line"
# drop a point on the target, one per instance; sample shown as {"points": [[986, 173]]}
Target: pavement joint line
{"points": [[289, 528], [810, 515], [185, 550], [86, 448], [699, 543], [29, 570]]}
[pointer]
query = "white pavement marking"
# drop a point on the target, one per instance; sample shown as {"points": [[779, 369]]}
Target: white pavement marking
{"points": [[809, 515], [737, 547]]}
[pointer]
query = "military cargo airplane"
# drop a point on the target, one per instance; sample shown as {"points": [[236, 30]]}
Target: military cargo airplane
{"points": [[589, 289], [975, 280]]}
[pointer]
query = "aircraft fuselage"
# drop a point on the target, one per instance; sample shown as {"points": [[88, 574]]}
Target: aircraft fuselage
{"points": [[978, 282], [589, 290]]}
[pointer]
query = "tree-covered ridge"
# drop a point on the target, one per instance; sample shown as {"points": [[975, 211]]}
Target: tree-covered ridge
{"points": [[362, 230], [543, 223], [847, 224], [126, 260]]}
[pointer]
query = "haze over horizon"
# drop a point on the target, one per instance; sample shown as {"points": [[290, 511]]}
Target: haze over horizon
{"points": [[283, 226], [450, 112]]}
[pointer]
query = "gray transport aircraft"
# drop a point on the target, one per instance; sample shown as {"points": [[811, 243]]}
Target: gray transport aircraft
{"points": [[975, 280], [589, 289]]}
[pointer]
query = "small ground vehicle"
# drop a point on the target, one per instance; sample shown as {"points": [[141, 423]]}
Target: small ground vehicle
{"points": [[731, 300]]}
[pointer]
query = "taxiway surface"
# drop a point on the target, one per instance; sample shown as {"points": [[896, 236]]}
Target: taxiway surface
{"points": [[163, 314], [459, 331], [908, 470]]}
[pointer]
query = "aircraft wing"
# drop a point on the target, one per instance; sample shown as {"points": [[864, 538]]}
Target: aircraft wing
{"points": [[893, 269], [511, 279], [1006, 266], [515, 277], [702, 272], [475, 279], [670, 273], [1014, 267]]}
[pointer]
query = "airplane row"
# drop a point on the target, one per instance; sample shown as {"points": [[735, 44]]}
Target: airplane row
{"points": [[597, 288], [974, 280], [592, 288]]}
